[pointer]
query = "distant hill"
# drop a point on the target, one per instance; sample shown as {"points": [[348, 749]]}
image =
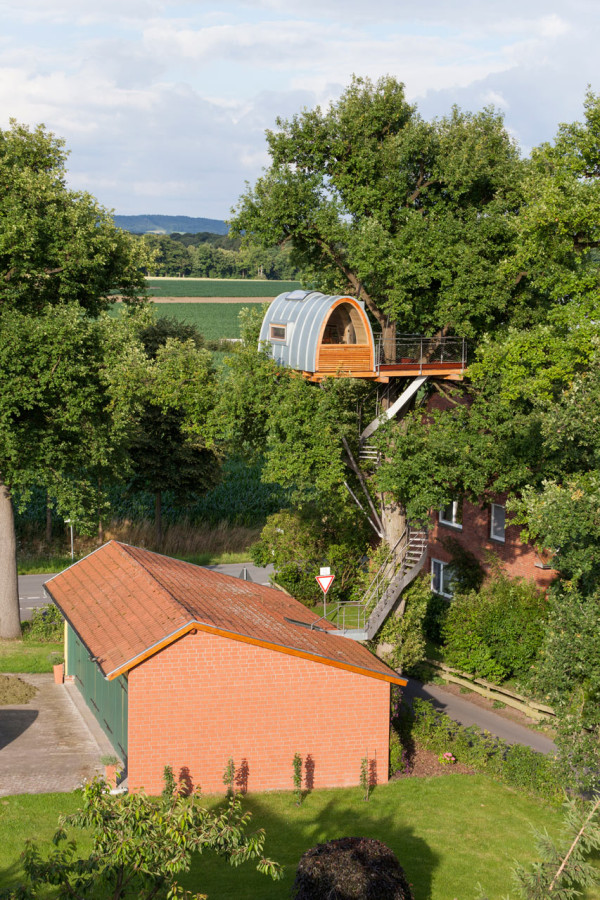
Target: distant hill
{"points": [[170, 224]]}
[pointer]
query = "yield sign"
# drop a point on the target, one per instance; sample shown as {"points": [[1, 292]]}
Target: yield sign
{"points": [[325, 582]]}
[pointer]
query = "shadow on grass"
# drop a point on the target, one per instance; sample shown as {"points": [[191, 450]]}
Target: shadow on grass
{"points": [[292, 830]]}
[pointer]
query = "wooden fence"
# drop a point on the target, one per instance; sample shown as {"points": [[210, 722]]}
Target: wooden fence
{"points": [[531, 708]]}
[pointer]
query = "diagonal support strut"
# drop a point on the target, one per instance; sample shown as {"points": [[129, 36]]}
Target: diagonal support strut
{"points": [[402, 401]]}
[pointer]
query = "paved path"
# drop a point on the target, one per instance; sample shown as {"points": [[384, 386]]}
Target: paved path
{"points": [[46, 745], [467, 713]]}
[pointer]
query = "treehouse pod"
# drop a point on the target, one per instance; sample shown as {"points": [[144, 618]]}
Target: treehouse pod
{"points": [[320, 335]]}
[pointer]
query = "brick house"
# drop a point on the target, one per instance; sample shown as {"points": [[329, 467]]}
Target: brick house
{"points": [[483, 530], [187, 667]]}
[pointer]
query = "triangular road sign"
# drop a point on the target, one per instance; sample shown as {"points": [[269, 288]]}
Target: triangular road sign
{"points": [[325, 582]]}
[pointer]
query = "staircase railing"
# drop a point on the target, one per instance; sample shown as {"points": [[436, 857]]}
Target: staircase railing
{"points": [[409, 566], [401, 565]]}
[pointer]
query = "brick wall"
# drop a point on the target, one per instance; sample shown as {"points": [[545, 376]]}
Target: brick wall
{"points": [[517, 559], [206, 698]]}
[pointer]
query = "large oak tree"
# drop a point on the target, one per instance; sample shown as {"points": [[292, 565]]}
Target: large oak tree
{"points": [[61, 258]]}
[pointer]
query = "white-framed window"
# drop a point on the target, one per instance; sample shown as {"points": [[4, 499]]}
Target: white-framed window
{"points": [[441, 578], [497, 522], [277, 332], [451, 514]]}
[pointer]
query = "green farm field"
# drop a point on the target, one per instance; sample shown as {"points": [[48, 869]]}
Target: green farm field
{"points": [[213, 320], [218, 287]]}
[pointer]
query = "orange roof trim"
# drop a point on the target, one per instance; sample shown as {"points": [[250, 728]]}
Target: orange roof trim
{"points": [[126, 604]]}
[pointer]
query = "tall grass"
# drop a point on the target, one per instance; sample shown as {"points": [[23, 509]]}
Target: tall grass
{"points": [[203, 544], [183, 539]]}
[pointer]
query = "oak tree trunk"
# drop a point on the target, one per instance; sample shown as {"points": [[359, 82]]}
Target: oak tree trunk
{"points": [[388, 336], [10, 619], [48, 521], [393, 518]]}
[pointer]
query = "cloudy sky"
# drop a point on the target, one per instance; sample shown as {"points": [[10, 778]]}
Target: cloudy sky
{"points": [[163, 104]]}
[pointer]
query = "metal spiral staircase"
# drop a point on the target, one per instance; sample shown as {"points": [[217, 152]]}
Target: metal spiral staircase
{"points": [[362, 619]]}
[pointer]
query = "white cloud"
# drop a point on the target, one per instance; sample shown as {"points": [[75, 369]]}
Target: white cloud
{"points": [[164, 102]]}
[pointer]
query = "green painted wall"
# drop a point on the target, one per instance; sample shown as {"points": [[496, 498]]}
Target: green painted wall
{"points": [[106, 699]]}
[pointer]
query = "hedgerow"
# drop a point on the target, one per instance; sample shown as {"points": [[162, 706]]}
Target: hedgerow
{"points": [[513, 764]]}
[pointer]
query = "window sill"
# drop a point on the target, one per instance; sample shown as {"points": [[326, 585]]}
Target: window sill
{"points": [[498, 540], [452, 525]]}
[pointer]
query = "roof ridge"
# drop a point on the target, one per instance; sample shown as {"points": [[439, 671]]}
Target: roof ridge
{"points": [[123, 549]]}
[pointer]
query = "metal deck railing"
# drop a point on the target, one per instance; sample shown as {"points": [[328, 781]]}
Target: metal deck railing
{"points": [[416, 352]]}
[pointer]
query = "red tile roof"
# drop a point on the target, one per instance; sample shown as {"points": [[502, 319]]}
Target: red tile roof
{"points": [[125, 604]]}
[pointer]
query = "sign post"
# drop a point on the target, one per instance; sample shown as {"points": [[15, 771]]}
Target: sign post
{"points": [[324, 580]]}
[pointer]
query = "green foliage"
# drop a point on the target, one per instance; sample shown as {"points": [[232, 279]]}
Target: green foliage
{"points": [[141, 845], [207, 255], [297, 777], [229, 777], [514, 764], [170, 784], [299, 542], [365, 780], [467, 573], [45, 626], [372, 195], [563, 519], [435, 618], [497, 632], [572, 648], [63, 418], [406, 632], [396, 752], [565, 866], [57, 246]]}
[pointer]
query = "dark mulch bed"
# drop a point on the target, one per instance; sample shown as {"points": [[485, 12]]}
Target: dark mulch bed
{"points": [[424, 763]]}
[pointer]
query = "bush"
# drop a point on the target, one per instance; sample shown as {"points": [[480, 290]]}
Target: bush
{"points": [[46, 625], [406, 633], [516, 765], [299, 542], [351, 869], [497, 632], [435, 617]]}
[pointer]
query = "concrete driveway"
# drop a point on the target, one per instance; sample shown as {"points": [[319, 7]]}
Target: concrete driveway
{"points": [[46, 744]]}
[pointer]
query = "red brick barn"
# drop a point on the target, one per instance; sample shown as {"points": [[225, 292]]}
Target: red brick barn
{"points": [[187, 667]]}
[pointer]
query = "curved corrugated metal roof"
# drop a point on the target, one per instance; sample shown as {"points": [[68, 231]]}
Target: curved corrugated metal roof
{"points": [[303, 313]]}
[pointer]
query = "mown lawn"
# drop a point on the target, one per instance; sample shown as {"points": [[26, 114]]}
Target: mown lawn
{"points": [[449, 833], [27, 656]]}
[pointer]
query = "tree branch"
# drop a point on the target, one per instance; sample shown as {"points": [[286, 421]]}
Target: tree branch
{"points": [[421, 185], [573, 845], [363, 510], [361, 478], [349, 274]]}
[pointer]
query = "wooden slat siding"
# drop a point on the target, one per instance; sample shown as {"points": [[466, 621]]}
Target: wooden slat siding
{"points": [[345, 357]]}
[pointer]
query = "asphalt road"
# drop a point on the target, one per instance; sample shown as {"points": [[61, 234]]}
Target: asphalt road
{"points": [[32, 594], [467, 713]]}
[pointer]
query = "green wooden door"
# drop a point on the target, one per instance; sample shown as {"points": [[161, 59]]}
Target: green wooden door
{"points": [[106, 699]]}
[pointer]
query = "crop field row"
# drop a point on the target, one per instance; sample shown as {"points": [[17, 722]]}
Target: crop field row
{"points": [[213, 320], [214, 287]]}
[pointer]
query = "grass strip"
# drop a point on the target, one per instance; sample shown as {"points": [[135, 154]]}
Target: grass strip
{"points": [[25, 656]]}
